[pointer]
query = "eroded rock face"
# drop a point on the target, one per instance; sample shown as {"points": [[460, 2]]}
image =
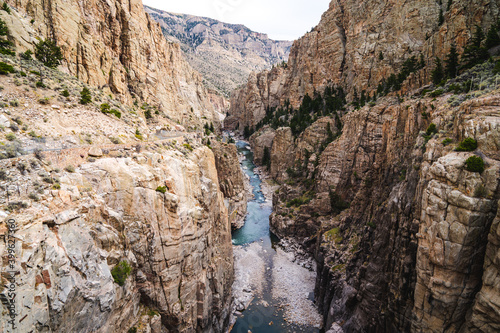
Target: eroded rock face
{"points": [[178, 244], [115, 45], [232, 182], [408, 254], [356, 45]]}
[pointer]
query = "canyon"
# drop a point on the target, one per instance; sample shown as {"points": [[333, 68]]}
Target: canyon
{"points": [[378, 189], [132, 212]]}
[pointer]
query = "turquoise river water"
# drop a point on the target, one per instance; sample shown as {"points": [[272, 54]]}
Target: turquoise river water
{"points": [[264, 314]]}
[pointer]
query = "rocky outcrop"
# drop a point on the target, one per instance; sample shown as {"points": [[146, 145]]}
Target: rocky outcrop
{"points": [[356, 45], [232, 182], [225, 54], [161, 212], [117, 47]]}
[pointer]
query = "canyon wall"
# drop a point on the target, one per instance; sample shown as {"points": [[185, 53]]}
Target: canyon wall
{"points": [[356, 45], [404, 234], [177, 242], [117, 47], [232, 182]]}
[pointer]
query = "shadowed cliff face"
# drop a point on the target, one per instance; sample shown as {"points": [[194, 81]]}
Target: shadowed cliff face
{"points": [[116, 46], [356, 45]]}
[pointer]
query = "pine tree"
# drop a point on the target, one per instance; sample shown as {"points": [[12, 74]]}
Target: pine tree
{"points": [[474, 53], [438, 73], [421, 63], [47, 52], [452, 62], [86, 98], [441, 17], [492, 39]]}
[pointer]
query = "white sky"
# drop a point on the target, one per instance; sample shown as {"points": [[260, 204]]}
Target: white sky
{"points": [[281, 19]]}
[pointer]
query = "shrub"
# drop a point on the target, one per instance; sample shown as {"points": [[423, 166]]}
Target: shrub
{"points": [[70, 169], [86, 98], [447, 141], [44, 101], [469, 144], [26, 55], [161, 189], [47, 52], [33, 196], [23, 74], [65, 93], [436, 93], [5, 69], [132, 330], [432, 129], [480, 192], [56, 186], [10, 137], [6, 7], [188, 146], [474, 164], [40, 84], [120, 272]]}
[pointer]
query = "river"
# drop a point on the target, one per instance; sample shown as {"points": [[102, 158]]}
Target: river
{"points": [[276, 291]]}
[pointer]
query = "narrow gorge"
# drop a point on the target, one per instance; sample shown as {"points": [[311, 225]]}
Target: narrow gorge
{"points": [[350, 184]]}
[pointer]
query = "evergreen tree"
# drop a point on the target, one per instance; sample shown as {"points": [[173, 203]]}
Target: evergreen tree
{"points": [[452, 62], [86, 98], [438, 72], [449, 5], [421, 63], [475, 54], [5, 44], [492, 39], [441, 17], [47, 52]]}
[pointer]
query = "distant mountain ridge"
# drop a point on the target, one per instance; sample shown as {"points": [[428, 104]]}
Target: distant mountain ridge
{"points": [[225, 54]]}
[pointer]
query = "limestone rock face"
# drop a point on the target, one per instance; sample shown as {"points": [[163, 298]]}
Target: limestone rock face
{"points": [[356, 45], [178, 245], [116, 45], [232, 182]]}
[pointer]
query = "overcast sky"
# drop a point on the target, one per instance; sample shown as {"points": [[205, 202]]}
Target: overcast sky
{"points": [[281, 19]]}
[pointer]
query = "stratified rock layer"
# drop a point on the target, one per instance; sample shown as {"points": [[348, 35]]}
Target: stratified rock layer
{"points": [[177, 241], [356, 45], [115, 45]]}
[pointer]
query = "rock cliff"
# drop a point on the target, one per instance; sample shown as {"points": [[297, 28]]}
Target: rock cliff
{"points": [[384, 195], [357, 45], [232, 182], [117, 47], [225, 54], [160, 211]]}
